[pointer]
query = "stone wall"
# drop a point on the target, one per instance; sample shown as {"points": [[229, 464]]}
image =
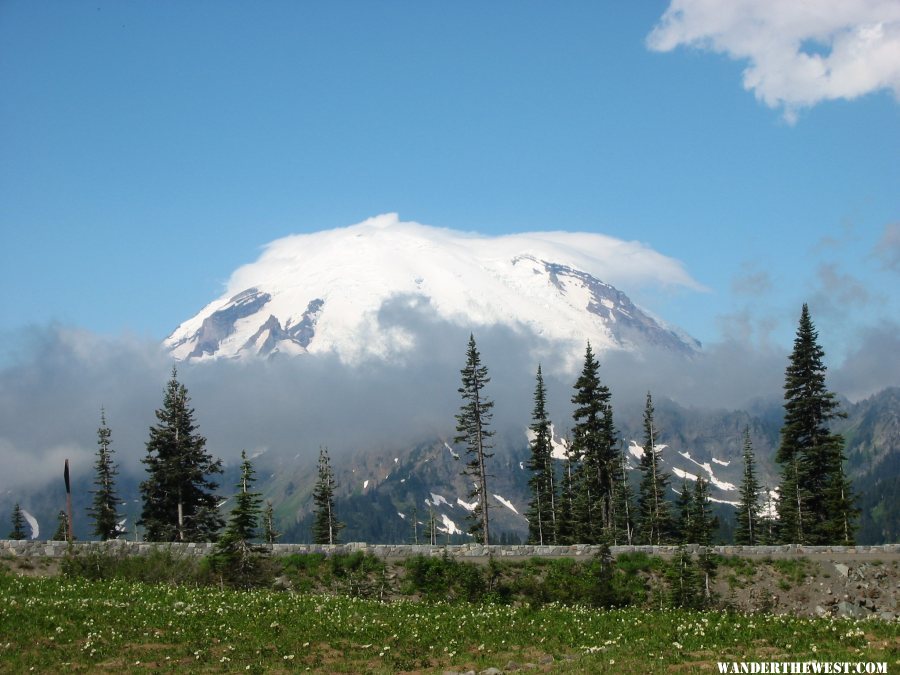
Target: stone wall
{"points": [[58, 549]]}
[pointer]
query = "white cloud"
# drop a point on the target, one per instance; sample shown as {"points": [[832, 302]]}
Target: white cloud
{"points": [[407, 243], [800, 52]]}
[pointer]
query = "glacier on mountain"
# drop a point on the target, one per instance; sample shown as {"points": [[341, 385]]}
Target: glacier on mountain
{"points": [[326, 292]]}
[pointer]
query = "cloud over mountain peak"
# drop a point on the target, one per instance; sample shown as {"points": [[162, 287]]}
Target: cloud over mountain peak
{"points": [[326, 291]]}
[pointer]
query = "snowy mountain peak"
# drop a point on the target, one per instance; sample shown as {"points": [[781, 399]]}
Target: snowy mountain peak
{"points": [[325, 292]]}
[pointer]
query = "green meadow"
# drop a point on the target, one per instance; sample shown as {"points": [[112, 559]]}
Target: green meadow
{"points": [[63, 624]]}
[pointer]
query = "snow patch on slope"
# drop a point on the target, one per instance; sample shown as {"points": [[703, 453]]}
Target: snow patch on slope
{"points": [[637, 451], [468, 506], [33, 524], [506, 503], [724, 501], [437, 500], [449, 526], [684, 475], [707, 467], [558, 446]]}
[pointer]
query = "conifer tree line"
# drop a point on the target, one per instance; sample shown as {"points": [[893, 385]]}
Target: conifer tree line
{"points": [[587, 498], [179, 500], [581, 495]]}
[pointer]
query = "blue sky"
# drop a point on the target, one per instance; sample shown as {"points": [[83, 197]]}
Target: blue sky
{"points": [[148, 149]]}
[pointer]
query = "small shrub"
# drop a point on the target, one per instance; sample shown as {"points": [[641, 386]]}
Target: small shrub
{"points": [[741, 567], [632, 563], [160, 565], [302, 562], [348, 564], [792, 569], [443, 579]]}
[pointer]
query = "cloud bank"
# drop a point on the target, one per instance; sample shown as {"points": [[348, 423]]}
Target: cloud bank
{"points": [[286, 407], [406, 243], [799, 53]]}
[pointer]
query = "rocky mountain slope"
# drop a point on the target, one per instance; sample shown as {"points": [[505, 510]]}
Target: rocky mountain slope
{"points": [[381, 492]]}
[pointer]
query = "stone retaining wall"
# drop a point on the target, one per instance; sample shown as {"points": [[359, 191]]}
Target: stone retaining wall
{"points": [[58, 549]]}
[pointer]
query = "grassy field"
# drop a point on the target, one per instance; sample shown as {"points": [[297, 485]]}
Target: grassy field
{"points": [[59, 624]]}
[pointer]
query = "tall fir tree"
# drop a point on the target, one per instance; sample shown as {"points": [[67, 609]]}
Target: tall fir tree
{"points": [[472, 429], [623, 499], [585, 452], [747, 526], [541, 512], [684, 509], [768, 525], [565, 520], [179, 500], [326, 526], [414, 539], [104, 510], [815, 500], [594, 445], [270, 531], [18, 523], [681, 575], [618, 517], [654, 516], [432, 526], [840, 502], [703, 524], [236, 556]]}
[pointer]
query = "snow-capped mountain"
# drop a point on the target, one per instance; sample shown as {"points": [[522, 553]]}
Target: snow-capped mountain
{"points": [[325, 292]]}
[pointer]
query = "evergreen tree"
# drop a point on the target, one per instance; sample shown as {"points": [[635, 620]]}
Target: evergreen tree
{"points": [[840, 502], [104, 511], [768, 526], [747, 528], [326, 526], [683, 582], [623, 498], [565, 526], [815, 501], [236, 557], [270, 533], [179, 501], [602, 569], [472, 428], [594, 446], [684, 508], [702, 525], [432, 526], [541, 512], [619, 522], [62, 527], [415, 525], [18, 523], [654, 518]]}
